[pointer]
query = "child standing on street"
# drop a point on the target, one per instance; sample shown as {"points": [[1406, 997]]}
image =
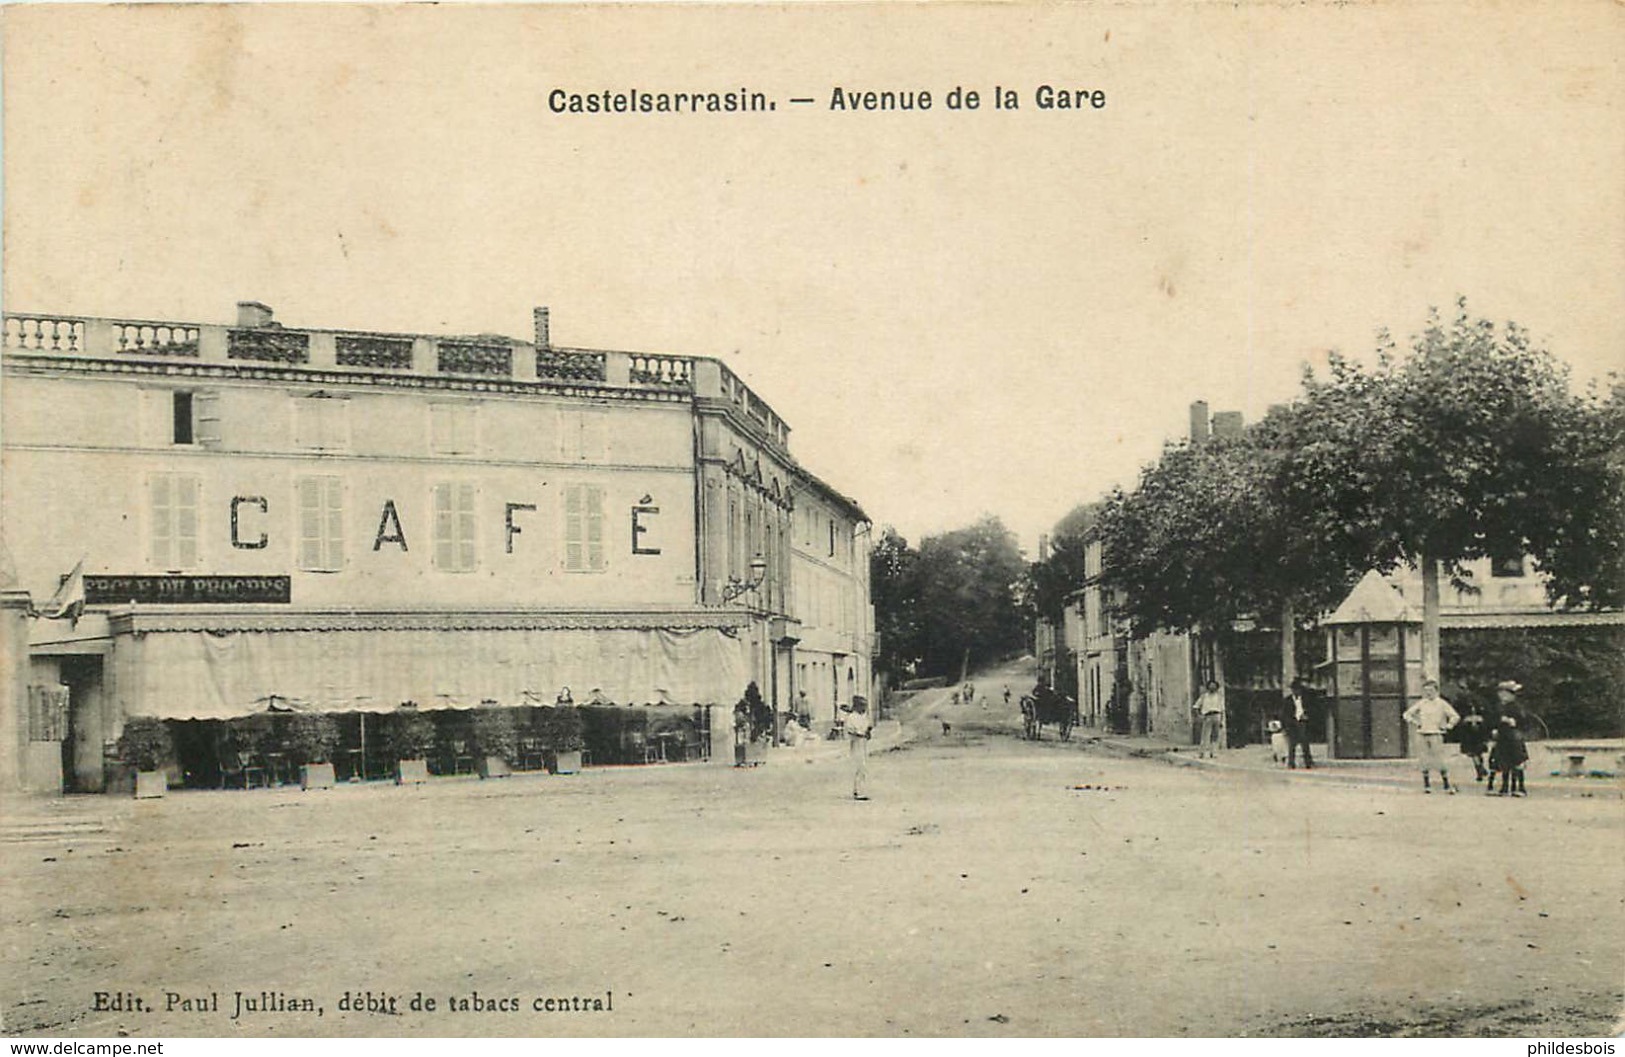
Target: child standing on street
{"points": [[1432, 717], [1508, 754], [1278, 746], [1473, 735]]}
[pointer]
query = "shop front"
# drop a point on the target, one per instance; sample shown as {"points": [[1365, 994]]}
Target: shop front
{"points": [[236, 692]]}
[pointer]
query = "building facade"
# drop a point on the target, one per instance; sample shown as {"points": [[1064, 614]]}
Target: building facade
{"points": [[1103, 661], [348, 520]]}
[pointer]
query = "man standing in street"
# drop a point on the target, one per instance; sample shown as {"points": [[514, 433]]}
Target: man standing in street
{"points": [[1432, 716], [1209, 709], [1295, 724], [858, 728]]}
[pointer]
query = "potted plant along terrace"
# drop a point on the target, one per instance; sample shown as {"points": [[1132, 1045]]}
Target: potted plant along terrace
{"points": [[496, 736], [145, 745], [560, 731], [310, 739], [409, 737]]}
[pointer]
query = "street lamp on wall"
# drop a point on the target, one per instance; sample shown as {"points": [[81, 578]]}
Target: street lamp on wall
{"points": [[734, 588]]}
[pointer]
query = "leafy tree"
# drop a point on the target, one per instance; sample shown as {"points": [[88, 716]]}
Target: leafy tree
{"points": [[1051, 581], [892, 590], [1582, 548], [1173, 553], [1471, 446], [966, 591]]}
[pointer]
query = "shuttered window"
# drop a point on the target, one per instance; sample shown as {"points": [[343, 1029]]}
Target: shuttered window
{"points": [[453, 429], [196, 417], [173, 520], [583, 435], [321, 524], [454, 527], [583, 528], [321, 423]]}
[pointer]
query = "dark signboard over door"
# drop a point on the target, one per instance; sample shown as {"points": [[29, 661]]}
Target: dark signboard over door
{"points": [[187, 590]]}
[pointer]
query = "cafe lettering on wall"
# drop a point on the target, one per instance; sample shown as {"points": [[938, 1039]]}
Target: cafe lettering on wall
{"points": [[187, 590], [255, 507], [641, 511]]}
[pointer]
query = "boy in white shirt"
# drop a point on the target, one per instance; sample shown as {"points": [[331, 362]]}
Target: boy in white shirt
{"points": [[1432, 716]]}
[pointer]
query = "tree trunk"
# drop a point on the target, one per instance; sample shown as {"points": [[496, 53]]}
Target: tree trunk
{"points": [[1430, 617], [1289, 633]]}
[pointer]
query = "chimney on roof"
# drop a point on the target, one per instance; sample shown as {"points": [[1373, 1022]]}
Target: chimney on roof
{"points": [[253, 314], [1043, 546], [1199, 429], [1227, 424], [544, 337]]}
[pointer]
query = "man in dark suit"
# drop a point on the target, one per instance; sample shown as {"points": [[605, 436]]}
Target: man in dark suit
{"points": [[1295, 723]]}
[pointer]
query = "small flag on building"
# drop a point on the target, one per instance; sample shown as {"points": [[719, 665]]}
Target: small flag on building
{"points": [[69, 600]]}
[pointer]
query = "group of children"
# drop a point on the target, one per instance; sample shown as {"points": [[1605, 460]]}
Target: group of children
{"points": [[1503, 742], [1505, 747]]}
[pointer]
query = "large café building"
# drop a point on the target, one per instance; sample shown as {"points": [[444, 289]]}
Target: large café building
{"points": [[345, 521]]}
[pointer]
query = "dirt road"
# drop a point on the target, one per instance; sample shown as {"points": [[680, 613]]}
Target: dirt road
{"points": [[991, 887]]}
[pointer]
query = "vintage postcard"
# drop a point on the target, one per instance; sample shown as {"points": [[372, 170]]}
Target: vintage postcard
{"points": [[552, 520]]}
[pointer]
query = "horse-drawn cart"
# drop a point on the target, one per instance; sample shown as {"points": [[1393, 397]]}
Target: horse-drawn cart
{"points": [[1044, 706]]}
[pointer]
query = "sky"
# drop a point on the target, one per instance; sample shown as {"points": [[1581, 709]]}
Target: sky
{"points": [[958, 312]]}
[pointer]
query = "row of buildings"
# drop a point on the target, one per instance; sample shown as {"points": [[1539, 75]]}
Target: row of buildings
{"points": [[203, 522], [1146, 685]]}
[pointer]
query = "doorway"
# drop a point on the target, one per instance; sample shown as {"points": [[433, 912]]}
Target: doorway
{"points": [[83, 769]]}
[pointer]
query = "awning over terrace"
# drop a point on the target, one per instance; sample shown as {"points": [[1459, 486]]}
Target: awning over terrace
{"points": [[170, 668]]}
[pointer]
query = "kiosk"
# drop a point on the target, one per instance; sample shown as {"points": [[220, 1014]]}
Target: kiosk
{"points": [[1374, 660]]}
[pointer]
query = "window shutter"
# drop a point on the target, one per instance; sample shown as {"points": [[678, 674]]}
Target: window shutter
{"points": [[162, 538], [310, 523], [595, 528], [573, 528], [444, 548], [439, 428], [186, 518], [452, 428], [321, 422], [336, 425], [206, 413], [465, 527], [304, 423], [335, 523], [594, 442]]}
